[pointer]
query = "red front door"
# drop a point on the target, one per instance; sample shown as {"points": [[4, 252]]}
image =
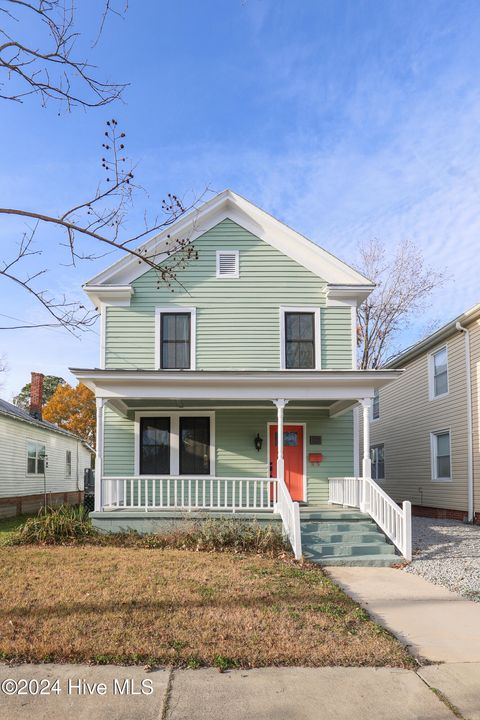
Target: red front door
{"points": [[293, 457]]}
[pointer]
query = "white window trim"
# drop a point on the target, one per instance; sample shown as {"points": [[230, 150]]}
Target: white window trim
{"points": [[175, 439], [431, 379], [317, 342], [433, 454], [231, 276], [374, 447], [36, 442], [193, 334]]}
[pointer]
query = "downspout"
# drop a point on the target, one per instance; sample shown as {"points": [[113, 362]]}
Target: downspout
{"points": [[470, 488]]}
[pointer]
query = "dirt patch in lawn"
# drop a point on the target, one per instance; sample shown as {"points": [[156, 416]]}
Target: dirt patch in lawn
{"points": [[130, 606]]}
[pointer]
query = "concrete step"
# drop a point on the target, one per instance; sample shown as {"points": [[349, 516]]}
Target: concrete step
{"points": [[354, 538], [333, 515], [355, 560], [320, 527], [346, 549]]}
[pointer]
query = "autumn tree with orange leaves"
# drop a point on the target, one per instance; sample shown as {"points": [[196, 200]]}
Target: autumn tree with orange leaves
{"points": [[73, 409]]}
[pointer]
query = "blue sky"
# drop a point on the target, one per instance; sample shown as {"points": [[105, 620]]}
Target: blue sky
{"points": [[348, 120]]}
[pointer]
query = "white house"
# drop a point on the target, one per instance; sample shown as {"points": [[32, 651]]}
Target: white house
{"points": [[38, 461]]}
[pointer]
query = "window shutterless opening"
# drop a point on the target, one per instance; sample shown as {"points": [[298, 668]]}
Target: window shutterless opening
{"points": [[194, 445], [300, 340], [154, 445], [175, 340]]}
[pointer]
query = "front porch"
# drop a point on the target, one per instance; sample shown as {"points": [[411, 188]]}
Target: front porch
{"points": [[242, 443]]}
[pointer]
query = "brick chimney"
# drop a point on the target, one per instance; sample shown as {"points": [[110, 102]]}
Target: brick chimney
{"points": [[36, 395]]}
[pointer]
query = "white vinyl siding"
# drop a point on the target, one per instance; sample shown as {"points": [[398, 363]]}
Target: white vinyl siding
{"points": [[14, 477], [228, 264]]}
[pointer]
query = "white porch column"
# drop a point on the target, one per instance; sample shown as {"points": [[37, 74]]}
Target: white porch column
{"points": [[100, 402], [280, 464], [366, 404]]}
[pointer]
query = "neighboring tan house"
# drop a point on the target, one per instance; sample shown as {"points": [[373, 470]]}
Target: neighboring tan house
{"points": [[425, 432], [232, 391], [40, 462]]}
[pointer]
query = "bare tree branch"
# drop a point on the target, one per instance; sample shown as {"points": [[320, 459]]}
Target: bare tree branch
{"points": [[101, 219], [403, 286], [53, 72]]}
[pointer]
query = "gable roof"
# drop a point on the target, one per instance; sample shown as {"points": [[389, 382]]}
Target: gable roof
{"points": [[227, 204], [17, 413], [438, 336]]}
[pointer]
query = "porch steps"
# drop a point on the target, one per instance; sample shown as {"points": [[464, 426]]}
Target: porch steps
{"points": [[345, 538]]}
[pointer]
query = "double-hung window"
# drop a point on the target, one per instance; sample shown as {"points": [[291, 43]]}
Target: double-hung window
{"points": [[176, 444], [35, 458], [377, 455], [376, 405], [175, 338], [68, 463], [441, 455], [438, 372], [300, 338]]}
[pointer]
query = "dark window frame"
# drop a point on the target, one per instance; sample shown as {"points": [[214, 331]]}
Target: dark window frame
{"points": [[299, 341], [183, 457], [188, 342], [142, 460]]}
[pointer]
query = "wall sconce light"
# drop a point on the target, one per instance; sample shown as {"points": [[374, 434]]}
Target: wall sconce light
{"points": [[258, 442]]}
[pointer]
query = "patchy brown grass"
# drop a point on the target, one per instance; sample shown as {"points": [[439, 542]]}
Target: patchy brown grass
{"points": [[131, 605]]}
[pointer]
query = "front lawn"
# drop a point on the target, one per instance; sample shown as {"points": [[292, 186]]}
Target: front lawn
{"points": [[134, 605]]}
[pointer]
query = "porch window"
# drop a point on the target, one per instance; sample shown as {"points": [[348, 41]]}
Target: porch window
{"points": [[35, 458], [155, 445], [194, 445], [300, 340], [175, 341], [441, 462], [377, 456]]}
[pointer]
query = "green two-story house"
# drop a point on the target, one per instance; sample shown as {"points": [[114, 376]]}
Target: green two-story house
{"points": [[234, 389]]}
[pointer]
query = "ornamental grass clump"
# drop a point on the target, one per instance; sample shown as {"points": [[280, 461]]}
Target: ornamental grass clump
{"points": [[54, 526]]}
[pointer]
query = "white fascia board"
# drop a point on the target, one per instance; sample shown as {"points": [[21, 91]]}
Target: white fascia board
{"points": [[348, 294], [109, 294], [230, 205], [202, 385]]}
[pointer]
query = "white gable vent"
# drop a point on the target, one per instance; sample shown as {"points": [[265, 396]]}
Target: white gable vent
{"points": [[228, 264]]}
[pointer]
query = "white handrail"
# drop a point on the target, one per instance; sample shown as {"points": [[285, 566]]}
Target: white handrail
{"points": [[364, 493], [395, 522], [290, 514], [188, 492]]}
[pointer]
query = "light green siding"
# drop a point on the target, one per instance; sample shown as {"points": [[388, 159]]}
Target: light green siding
{"points": [[238, 320], [236, 455]]}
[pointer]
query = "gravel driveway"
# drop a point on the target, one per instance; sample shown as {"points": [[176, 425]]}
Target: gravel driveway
{"points": [[447, 552]]}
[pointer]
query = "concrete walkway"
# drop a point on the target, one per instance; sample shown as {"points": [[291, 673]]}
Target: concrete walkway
{"points": [[435, 624], [263, 694]]}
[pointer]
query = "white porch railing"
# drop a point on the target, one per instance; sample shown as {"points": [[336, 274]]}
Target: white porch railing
{"points": [[144, 492], [290, 514], [365, 494]]}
